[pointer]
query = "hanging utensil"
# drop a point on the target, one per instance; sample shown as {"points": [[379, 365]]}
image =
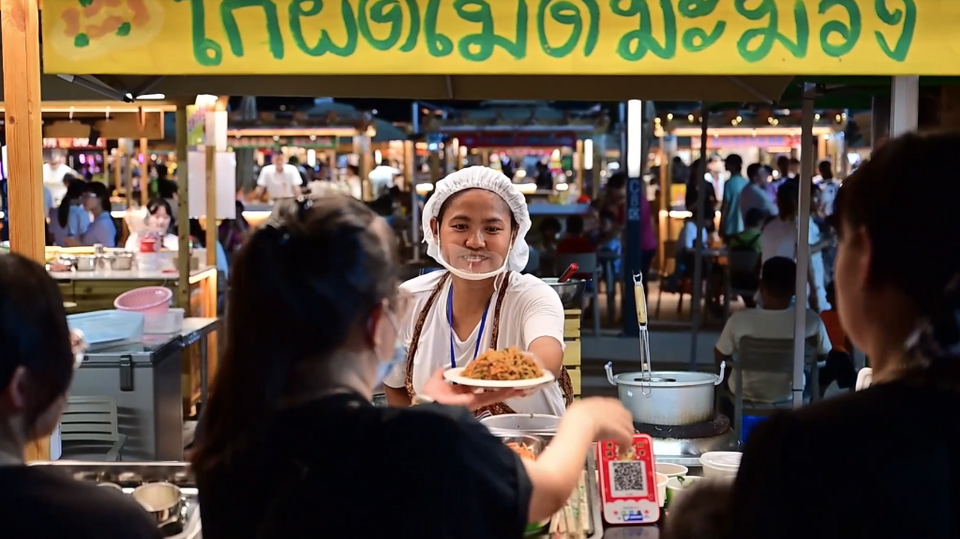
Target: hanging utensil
{"points": [[640, 298], [568, 273]]}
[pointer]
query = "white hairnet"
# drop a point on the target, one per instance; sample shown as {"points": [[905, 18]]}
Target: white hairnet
{"points": [[490, 180]]}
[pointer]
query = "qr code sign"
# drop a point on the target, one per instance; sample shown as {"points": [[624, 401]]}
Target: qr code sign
{"points": [[629, 479]]}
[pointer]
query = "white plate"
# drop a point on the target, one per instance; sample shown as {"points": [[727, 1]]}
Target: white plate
{"points": [[453, 375]]}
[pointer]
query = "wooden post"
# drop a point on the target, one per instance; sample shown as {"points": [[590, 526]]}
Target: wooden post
{"points": [[409, 175], [144, 173], [211, 207], [118, 169], [19, 27], [183, 212]]}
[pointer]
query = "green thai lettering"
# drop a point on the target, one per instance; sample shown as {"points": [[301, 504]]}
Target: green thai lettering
{"points": [[438, 45], [849, 33], [206, 51], [391, 13], [568, 14], [698, 39], [478, 47], [300, 9], [274, 38], [635, 44], [892, 18], [771, 33]]}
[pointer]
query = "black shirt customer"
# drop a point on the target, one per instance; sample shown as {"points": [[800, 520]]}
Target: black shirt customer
{"points": [[36, 366], [885, 461], [291, 445]]}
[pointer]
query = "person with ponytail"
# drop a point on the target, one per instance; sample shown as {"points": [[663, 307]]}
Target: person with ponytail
{"points": [[70, 220], [37, 359], [291, 445], [885, 461]]}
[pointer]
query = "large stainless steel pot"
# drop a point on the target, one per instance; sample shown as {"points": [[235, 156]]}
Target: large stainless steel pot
{"points": [[667, 397]]}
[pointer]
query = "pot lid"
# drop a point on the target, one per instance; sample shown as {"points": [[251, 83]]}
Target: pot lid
{"points": [[666, 379]]}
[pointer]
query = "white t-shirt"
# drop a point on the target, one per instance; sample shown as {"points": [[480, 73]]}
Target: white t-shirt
{"points": [[280, 184], [531, 309], [779, 238], [769, 324]]}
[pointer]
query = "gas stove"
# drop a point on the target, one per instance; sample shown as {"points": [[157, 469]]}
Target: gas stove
{"points": [[683, 444]]}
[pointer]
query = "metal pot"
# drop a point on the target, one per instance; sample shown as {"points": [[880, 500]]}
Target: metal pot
{"points": [[570, 292], [86, 263], [121, 261], [164, 501], [667, 397]]}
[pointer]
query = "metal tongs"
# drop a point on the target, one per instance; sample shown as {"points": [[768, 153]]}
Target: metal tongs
{"points": [[646, 373]]}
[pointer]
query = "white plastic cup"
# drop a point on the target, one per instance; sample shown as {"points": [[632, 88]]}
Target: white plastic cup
{"points": [[720, 464]]}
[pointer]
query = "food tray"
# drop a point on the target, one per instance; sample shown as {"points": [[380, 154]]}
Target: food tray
{"points": [[105, 327], [131, 475], [593, 503]]}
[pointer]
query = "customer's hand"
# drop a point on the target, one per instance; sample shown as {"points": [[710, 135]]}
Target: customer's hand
{"points": [[443, 392], [607, 417]]}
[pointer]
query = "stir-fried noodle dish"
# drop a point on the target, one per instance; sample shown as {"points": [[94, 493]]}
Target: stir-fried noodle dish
{"points": [[509, 364]]}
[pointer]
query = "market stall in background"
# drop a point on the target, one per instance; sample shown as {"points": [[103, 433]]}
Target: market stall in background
{"points": [[606, 60]]}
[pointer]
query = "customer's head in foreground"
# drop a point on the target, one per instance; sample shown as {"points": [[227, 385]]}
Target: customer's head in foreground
{"points": [[778, 278], [787, 195], [327, 278], [702, 512], [883, 289], [36, 361]]}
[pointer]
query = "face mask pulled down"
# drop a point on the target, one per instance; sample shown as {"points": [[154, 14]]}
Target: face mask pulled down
{"points": [[473, 264]]}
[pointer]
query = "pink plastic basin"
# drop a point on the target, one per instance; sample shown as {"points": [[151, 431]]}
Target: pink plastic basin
{"points": [[149, 299]]}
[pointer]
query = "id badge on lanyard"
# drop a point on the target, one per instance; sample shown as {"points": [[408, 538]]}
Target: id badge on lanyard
{"points": [[483, 323]]}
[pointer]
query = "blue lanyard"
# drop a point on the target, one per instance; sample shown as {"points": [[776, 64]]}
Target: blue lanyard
{"points": [[483, 322]]}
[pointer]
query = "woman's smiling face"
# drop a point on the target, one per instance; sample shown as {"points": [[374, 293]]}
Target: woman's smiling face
{"points": [[475, 230]]}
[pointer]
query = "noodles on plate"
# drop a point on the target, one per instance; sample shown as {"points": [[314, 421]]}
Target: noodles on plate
{"points": [[509, 364]]}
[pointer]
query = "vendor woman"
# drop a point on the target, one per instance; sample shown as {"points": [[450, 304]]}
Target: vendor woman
{"points": [[474, 226]]}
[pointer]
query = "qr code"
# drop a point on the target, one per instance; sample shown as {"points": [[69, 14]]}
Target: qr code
{"points": [[629, 479]]}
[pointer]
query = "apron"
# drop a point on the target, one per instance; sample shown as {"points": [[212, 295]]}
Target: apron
{"points": [[566, 385]]}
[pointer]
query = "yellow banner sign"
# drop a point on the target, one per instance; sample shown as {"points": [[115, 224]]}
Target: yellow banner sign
{"points": [[569, 37]]}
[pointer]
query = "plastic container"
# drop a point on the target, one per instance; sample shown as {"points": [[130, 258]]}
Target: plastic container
{"points": [[100, 327], [163, 323], [149, 299], [671, 470], [676, 486], [718, 464], [662, 488]]}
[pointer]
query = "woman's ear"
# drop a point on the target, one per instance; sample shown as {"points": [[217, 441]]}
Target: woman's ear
{"points": [[435, 227]]}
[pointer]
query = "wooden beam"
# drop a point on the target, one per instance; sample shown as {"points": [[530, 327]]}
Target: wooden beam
{"points": [[183, 212], [19, 27], [144, 174]]}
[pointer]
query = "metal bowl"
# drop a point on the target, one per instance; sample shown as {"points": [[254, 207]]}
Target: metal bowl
{"points": [[570, 292], [520, 424], [535, 443]]}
